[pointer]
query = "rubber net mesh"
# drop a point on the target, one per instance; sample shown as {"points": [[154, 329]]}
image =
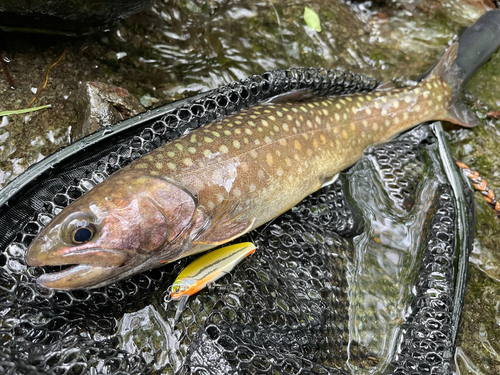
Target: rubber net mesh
{"points": [[285, 310]]}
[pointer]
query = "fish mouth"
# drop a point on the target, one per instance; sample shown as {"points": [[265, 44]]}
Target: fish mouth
{"points": [[88, 267], [92, 256], [77, 277]]}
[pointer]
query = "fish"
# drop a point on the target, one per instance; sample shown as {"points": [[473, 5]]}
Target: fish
{"points": [[221, 181], [207, 269]]}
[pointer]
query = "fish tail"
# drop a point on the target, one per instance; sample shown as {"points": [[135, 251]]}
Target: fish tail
{"points": [[449, 72]]}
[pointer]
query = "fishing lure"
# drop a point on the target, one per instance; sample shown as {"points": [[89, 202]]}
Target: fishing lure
{"points": [[207, 269]]}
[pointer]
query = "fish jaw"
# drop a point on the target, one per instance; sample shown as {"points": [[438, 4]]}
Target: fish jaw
{"points": [[77, 277]]}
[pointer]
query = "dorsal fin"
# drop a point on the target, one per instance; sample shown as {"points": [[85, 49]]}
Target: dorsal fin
{"points": [[293, 96], [386, 86]]}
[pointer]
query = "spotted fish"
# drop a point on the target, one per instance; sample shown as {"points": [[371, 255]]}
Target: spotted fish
{"points": [[221, 181]]}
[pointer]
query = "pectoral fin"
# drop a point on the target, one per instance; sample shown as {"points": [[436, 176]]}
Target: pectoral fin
{"points": [[224, 226]]}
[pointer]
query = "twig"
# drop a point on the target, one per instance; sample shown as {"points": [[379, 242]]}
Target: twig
{"points": [[6, 70], [46, 79]]}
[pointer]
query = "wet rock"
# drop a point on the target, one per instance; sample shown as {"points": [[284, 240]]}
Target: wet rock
{"points": [[101, 105], [76, 16]]}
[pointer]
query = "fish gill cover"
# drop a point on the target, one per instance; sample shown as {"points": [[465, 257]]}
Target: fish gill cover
{"points": [[287, 308]]}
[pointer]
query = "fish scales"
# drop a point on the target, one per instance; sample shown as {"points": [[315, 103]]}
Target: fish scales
{"points": [[218, 182], [261, 154]]}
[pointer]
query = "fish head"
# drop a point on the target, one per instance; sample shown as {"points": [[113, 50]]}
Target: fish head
{"points": [[121, 227]]}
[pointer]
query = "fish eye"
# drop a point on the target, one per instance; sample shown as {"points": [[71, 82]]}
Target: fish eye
{"points": [[82, 234], [79, 228]]}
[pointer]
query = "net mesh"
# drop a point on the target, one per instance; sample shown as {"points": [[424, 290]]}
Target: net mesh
{"points": [[284, 310]]}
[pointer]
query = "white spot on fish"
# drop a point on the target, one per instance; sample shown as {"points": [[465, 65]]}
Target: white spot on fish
{"points": [[236, 192]]}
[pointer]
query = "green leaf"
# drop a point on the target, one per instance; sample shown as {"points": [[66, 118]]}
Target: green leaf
{"points": [[26, 110], [312, 19]]}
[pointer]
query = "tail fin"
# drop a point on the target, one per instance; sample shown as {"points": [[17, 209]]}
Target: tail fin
{"points": [[448, 71]]}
